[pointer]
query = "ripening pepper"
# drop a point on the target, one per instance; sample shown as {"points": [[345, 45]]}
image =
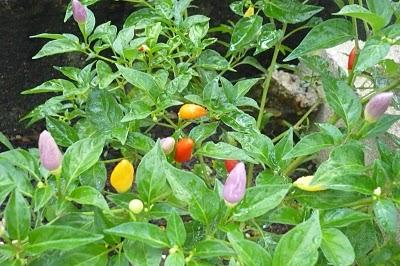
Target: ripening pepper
{"points": [[184, 149], [303, 183], [167, 144], [352, 59], [79, 12], [136, 206], [50, 154], [249, 12], [122, 176], [230, 164], [377, 106], [191, 111], [235, 185]]}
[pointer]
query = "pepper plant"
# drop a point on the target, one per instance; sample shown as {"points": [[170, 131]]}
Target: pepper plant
{"points": [[165, 160]]}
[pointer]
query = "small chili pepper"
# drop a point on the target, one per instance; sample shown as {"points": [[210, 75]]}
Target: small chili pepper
{"points": [[50, 154], [352, 58], [184, 149], [235, 185], [303, 183], [249, 12], [79, 12], [191, 111], [230, 164], [377, 106], [136, 206], [122, 176], [167, 144]]}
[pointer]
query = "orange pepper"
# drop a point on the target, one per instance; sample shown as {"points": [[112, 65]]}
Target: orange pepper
{"points": [[191, 111]]}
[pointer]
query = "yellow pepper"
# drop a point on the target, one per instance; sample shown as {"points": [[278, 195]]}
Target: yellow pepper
{"points": [[122, 176], [303, 183], [249, 12]]}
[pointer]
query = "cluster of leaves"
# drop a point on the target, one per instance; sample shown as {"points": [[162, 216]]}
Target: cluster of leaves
{"points": [[135, 78]]}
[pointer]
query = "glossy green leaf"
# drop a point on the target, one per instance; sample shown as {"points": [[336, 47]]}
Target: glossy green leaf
{"points": [[151, 180], [337, 247], [249, 253], [310, 144], [290, 11], [373, 52], [105, 74], [328, 199], [259, 200], [18, 216], [268, 38], [142, 231], [81, 156], [240, 121], [210, 59], [245, 32], [223, 151], [64, 134], [23, 160], [342, 217], [52, 237], [52, 86], [357, 11], [175, 259], [176, 231], [300, 245], [69, 43], [140, 142], [41, 197], [95, 176], [138, 253], [325, 35], [203, 131], [4, 140], [212, 248], [86, 195], [383, 8], [386, 215]]}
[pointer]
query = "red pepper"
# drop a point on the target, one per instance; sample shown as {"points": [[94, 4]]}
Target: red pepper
{"points": [[230, 164], [184, 149], [352, 59]]}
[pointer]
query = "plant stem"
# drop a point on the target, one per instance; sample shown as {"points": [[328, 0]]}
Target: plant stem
{"points": [[391, 86], [294, 164], [113, 160], [266, 85]]}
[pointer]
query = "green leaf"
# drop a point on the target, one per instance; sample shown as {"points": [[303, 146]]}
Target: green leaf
{"points": [[59, 46], [310, 144], [86, 195], [249, 253], [201, 132], [300, 245], [23, 160], [210, 59], [51, 237], [18, 216], [4, 140], [105, 74], [343, 100], [240, 121], [259, 200], [64, 134], [328, 199], [138, 253], [204, 206], [337, 247], [258, 146], [176, 231], [121, 43], [151, 180], [325, 35], [342, 217], [283, 147], [141, 80], [95, 176], [245, 32], [150, 234], [140, 142], [212, 248], [380, 126], [41, 197], [383, 8], [175, 259], [373, 52], [81, 156], [290, 11], [223, 151], [357, 11], [6, 186], [386, 215], [52, 86], [268, 38], [362, 237]]}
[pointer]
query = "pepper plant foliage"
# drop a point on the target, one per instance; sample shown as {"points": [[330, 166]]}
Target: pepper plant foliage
{"points": [[135, 78]]}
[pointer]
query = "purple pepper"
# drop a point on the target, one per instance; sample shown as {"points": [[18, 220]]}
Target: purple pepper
{"points": [[377, 106], [50, 154], [79, 12], [235, 185], [167, 144]]}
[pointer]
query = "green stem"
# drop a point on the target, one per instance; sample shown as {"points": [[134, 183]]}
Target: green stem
{"points": [[204, 169], [113, 160], [294, 164], [169, 121]]}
